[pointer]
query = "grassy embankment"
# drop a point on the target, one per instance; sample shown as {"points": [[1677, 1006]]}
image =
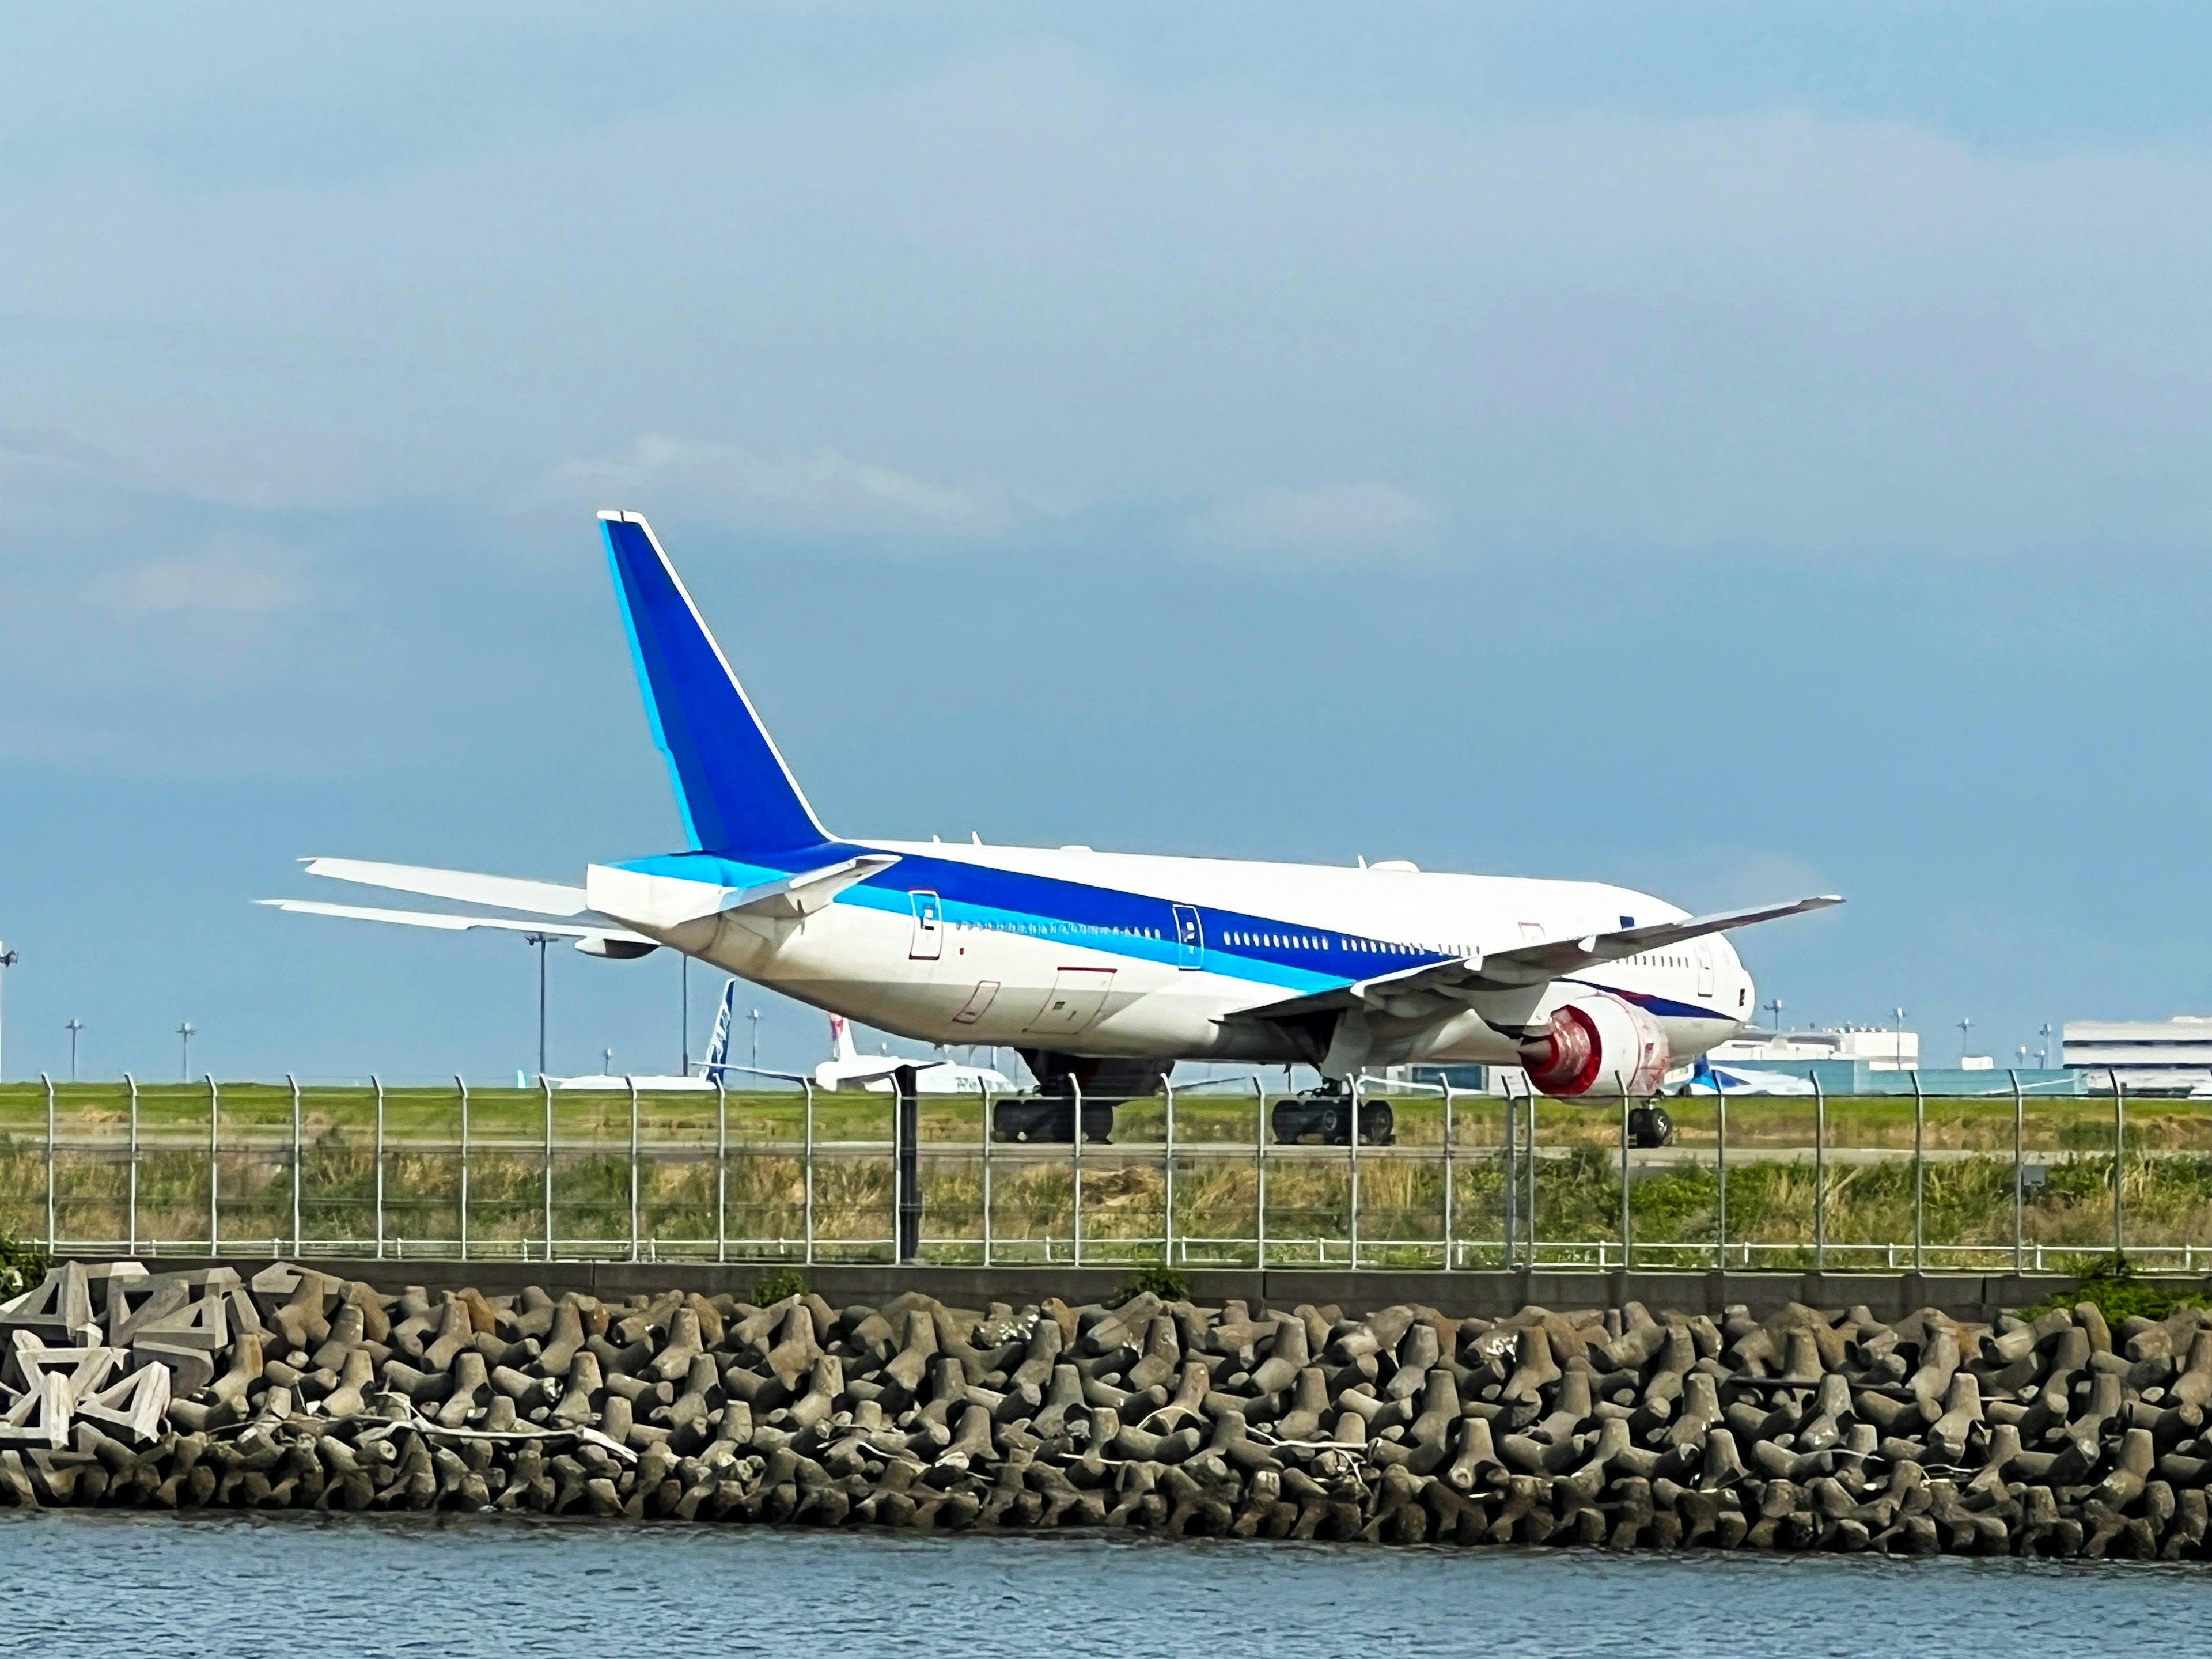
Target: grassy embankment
{"points": [[2166, 1184]]}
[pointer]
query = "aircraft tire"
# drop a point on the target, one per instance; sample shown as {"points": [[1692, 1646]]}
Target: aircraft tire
{"points": [[1649, 1126]]}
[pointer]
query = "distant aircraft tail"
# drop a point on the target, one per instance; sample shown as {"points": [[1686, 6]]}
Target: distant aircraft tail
{"points": [[840, 1039], [735, 793], [718, 1047]]}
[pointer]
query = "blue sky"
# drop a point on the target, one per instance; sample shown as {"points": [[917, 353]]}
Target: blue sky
{"points": [[1738, 450]]}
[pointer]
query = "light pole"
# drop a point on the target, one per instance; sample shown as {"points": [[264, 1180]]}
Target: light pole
{"points": [[755, 1020], [2044, 1052], [73, 1025], [8, 959], [1774, 1007], [541, 940], [184, 1068], [1899, 1064], [1965, 1027], [606, 1062]]}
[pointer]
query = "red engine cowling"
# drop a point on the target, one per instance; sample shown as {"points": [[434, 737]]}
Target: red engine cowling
{"points": [[1597, 1047]]}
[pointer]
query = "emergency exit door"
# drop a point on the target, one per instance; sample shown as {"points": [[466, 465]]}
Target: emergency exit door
{"points": [[928, 928], [1189, 937]]}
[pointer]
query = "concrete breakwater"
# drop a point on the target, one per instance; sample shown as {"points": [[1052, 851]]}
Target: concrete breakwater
{"points": [[1617, 1427]]}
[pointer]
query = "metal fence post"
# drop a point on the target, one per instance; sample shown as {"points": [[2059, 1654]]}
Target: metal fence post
{"points": [[1720, 1165], [1625, 1108], [463, 1090], [1512, 1174], [2119, 1159], [1533, 1244], [1819, 1173], [721, 1170], [1919, 1173], [378, 1162], [1451, 1255], [1352, 1145], [49, 1084], [294, 1086], [2018, 1173], [1167, 1213], [1260, 1171], [1075, 1094], [807, 1173], [545, 1085], [130, 1199], [214, 1166], [632, 1083], [986, 1172]]}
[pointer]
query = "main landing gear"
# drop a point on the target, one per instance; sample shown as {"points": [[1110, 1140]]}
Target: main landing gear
{"points": [[1326, 1116], [1050, 1118], [1649, 1126]]}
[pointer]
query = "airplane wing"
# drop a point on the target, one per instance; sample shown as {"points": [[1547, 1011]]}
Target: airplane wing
{"points": [[601, 941], [1528, 964]]}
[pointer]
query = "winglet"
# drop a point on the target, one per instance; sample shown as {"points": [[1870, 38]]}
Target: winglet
{"points": [[735, 793]]}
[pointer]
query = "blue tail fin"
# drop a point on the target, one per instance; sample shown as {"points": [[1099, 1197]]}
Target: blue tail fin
{"points": [[735, 793], [718, 1050]]}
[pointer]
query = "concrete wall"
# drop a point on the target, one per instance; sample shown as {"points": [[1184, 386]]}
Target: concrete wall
{"points": [[1489, 1295]]}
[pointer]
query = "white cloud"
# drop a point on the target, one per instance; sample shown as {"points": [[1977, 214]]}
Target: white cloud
{"points": [[822, 491], [235, 574], [1329, 522]]}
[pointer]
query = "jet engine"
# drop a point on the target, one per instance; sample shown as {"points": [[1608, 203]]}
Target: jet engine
{"points": [[1597, 1047]]}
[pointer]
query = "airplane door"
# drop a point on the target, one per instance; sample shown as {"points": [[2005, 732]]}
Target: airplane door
{"points": [[928, 928], [1074, 1002], [1705, 967], [1190, 938]]}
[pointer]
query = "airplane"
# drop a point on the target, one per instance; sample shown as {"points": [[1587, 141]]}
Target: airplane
{"points": [[1707, 1078], [1102, 968]]}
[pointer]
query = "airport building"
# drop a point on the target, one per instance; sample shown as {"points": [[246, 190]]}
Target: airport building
{"points": [[2172, 1057], [1878, 1060]]}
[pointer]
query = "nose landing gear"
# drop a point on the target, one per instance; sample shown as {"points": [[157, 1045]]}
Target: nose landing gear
{"points": [[1649, 1126]]}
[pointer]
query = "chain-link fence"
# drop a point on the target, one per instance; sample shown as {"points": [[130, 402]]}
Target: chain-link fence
{"points": [[1198, 1175]]}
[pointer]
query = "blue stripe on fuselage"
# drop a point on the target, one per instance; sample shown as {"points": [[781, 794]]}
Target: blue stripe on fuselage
{"points": [[1105, 919]]}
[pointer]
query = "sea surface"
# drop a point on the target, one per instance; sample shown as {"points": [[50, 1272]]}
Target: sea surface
{"points": [[168, 1586]]}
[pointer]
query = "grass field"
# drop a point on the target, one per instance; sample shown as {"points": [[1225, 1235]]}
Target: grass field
{"points": [[761, 1194]]}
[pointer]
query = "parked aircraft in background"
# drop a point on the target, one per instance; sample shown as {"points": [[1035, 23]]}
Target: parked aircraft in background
{"points": [[848, 1069], [1103, 970], [1707, 1078]]}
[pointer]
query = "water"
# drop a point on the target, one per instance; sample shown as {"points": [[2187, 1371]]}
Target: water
{"points": [[177, 1586]]}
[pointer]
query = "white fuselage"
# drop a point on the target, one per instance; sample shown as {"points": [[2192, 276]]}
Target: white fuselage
{"points": [[1078, 952]]}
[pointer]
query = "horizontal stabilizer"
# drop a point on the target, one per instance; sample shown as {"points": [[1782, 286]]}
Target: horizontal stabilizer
{"points": [[650, 900], [539, 898], [593, 941]]}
